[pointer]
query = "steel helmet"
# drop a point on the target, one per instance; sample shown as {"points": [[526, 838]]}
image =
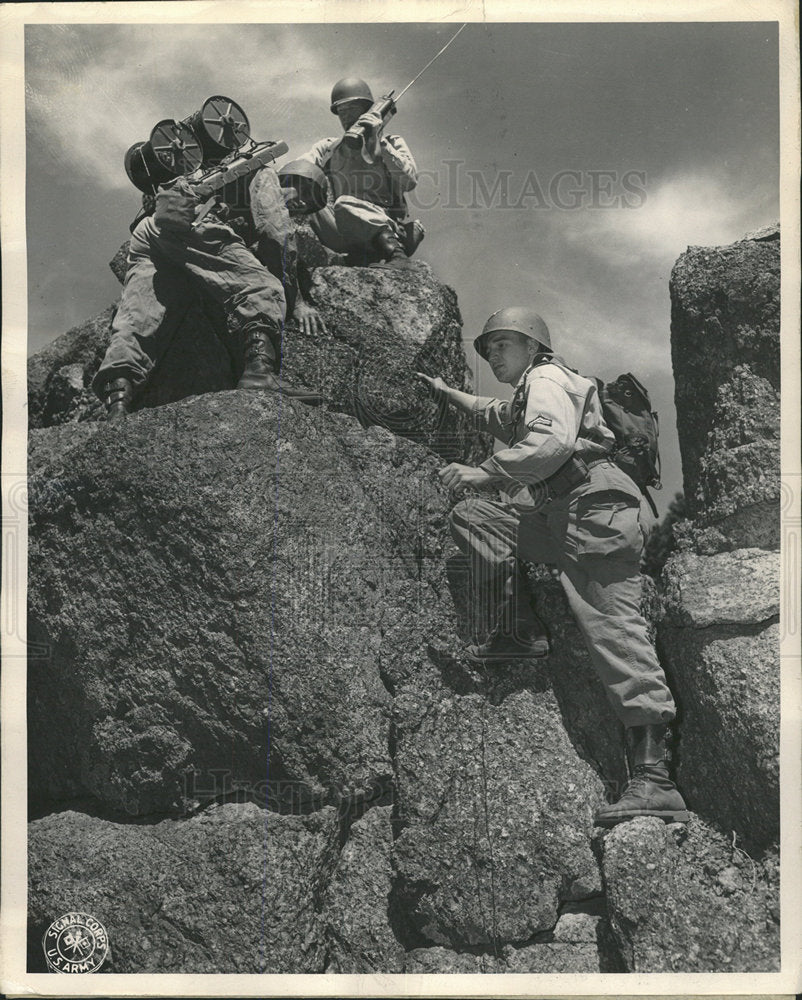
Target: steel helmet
{"points": [[350, 88], [518, 319], [309, 179]]}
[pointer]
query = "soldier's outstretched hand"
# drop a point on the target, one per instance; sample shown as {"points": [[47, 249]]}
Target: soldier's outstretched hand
{"points": [[309, 319], [459, 477], [438, 389]]}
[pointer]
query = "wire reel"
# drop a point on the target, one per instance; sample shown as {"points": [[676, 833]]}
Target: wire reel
{"points": [[172, 150], [221, 126]]}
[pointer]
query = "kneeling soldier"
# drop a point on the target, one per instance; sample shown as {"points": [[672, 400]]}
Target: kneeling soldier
{"points": [[585, 521], [171, 258]]}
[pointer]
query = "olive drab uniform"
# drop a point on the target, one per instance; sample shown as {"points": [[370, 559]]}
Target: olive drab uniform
{"points": [[169, 262], [582, 514], [368, 195]]}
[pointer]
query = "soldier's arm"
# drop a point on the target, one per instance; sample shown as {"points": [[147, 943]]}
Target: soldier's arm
{"points": [[399, 162], [320, 153], [492, 414], [552, 429], [275, 233]]}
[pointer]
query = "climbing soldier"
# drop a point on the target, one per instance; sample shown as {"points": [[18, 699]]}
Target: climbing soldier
{"points": [[581, 515], [369, 177], [172, 257]]}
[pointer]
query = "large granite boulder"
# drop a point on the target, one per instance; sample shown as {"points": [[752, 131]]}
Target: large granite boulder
{"points": [[212, 580], [687, 899], [725, 347], [235, 889], [498, 812], [720, 642], [381, 326]]}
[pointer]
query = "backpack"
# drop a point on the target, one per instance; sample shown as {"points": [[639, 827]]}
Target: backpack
{"points": [[627, 411]]}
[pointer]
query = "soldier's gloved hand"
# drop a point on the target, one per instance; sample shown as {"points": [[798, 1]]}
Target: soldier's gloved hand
{"points": [[175, 207], [309, 319], [459, 477], [438, 390]]}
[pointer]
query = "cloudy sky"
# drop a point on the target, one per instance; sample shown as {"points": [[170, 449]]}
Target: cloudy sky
{"points": [[565, 166]]}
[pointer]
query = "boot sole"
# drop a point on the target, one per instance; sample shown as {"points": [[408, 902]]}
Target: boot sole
{"points": [[668, 815]]}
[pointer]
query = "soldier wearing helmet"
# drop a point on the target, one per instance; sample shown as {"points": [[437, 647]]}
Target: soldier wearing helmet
{"points": [[241, 255], [368, 219], [572, 507]]}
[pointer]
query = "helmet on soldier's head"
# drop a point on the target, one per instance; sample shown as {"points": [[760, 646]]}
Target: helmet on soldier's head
{"points": [[350, 88], [517, 319], [310, 183]]}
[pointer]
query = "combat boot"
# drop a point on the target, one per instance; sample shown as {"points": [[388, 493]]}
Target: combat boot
{"points": [[118, 399], [650, 791], [518, 634], [501, 647], [259, 371], [390, 250]]}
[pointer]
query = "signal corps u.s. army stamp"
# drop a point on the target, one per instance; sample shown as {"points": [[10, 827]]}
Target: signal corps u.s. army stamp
{"points": [[75, 942]]}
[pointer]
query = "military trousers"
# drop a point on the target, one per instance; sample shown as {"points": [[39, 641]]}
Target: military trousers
{"points": [[166, 270], [350, 225], [595, 541]]}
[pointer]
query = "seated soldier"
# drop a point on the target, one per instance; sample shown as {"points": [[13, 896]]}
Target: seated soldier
{"points": [[369, 219], [171, 257]]}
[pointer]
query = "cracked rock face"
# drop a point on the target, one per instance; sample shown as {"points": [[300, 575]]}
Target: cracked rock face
{"points": [[235, 889], [687, 900], [498, 810], [725, 347], [211, 587]]}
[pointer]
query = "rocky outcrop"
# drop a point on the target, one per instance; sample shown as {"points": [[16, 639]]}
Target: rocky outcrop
{"points": [[259, 747], [720, 634], [725, 348], [235, 889], [381, 326], [685, 899]]}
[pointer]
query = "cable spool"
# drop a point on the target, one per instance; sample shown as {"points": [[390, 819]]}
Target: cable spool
{"points": [[171, 150], [220, 126]]}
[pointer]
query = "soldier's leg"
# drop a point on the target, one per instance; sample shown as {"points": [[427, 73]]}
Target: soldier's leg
{"points": [[324, 226], [252, 297], [600, 572], [153, 304], [493, 535], [369, 228]]}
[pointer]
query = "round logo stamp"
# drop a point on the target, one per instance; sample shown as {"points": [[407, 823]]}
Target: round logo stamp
{"points": [[75, 942]]}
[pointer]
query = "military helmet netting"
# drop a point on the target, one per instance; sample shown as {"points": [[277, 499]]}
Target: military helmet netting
{"points": [[518, 319], [350, 88]]}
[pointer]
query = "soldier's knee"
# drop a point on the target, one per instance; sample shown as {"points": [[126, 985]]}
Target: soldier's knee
{"points": [[465, 514]]}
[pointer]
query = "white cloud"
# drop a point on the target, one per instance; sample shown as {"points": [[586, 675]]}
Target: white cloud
{"points": [[87, 106], [691, 208]]}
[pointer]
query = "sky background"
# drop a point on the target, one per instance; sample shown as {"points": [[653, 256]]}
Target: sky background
{"points": [[684, 115]]}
